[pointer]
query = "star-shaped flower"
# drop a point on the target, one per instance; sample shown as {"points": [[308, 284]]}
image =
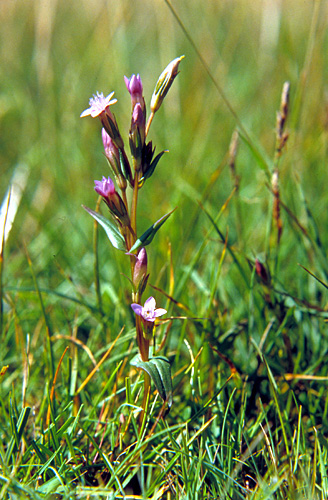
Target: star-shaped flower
{"points": [[148, 312], [98, 104]]}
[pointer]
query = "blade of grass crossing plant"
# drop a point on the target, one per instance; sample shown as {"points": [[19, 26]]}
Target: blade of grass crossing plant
{"points": [[18, 427]]}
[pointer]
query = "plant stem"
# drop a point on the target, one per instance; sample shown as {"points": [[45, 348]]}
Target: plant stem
{"points": [[150, 119]]}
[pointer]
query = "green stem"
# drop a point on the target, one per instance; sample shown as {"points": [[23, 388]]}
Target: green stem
{"points": [[96, 262], [134, 203], [145, 395]]}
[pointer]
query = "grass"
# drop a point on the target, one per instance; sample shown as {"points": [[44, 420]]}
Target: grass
{"points": [[247, 349]]}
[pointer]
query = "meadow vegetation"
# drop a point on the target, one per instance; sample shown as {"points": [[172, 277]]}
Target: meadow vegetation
{"points": [[240, 266]]}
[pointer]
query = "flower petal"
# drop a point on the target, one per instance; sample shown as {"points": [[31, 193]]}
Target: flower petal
{"points": [[150, 303], [159, 312], [98, 104], [137, 309]]}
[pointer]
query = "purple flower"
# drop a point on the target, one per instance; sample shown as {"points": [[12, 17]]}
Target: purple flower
{"points": [[109, 146], [98, 104], [148, 312], [138, 118], [134, 85], [140, 269], [105, 187], [138, 121]]}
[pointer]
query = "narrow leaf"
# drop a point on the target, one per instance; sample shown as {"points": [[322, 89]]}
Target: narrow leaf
{"points": [[148, 235], [112, 232], [17, 429]]}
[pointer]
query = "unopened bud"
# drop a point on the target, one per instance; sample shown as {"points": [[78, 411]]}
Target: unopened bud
{"points": [[134, 86], [109, 123], [140, 268], [137, 135], [164, 83], [116, 206], [113, 156], [261, 272]]}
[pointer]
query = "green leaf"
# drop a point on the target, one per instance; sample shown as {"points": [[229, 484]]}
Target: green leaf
{"points": [[18, 427], [148, 235], [159, 369], [112, 232]]}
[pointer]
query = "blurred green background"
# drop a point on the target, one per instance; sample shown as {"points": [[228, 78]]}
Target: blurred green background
{"points": [[55, 54]]}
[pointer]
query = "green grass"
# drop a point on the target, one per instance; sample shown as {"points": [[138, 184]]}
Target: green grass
{"points": [[248, 356]]}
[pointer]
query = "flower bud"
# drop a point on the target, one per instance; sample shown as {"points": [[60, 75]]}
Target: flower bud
{"points": [[116, 206], [113, 156], [140, 268], [164, 83], [105, 187], [261, 272], [137, 135], [134, 86], [109, 123]]}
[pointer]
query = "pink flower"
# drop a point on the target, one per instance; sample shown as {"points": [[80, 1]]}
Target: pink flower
{"points": [[109, 146], [98, 104], [148, 312], [134, 85], [105, 187]]}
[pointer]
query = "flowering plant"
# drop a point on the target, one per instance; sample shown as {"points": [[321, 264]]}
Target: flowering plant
{"points": [[121, 228]]}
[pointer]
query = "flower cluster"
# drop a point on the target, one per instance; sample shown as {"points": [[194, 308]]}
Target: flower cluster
{"points": [[122, 228]]}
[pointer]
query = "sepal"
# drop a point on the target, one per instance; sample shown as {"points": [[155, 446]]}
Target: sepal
{"points": [[151, 168]]}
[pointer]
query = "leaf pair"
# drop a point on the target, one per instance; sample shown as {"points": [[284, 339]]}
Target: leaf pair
{"points": [[159, 370], [117, 239]]}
